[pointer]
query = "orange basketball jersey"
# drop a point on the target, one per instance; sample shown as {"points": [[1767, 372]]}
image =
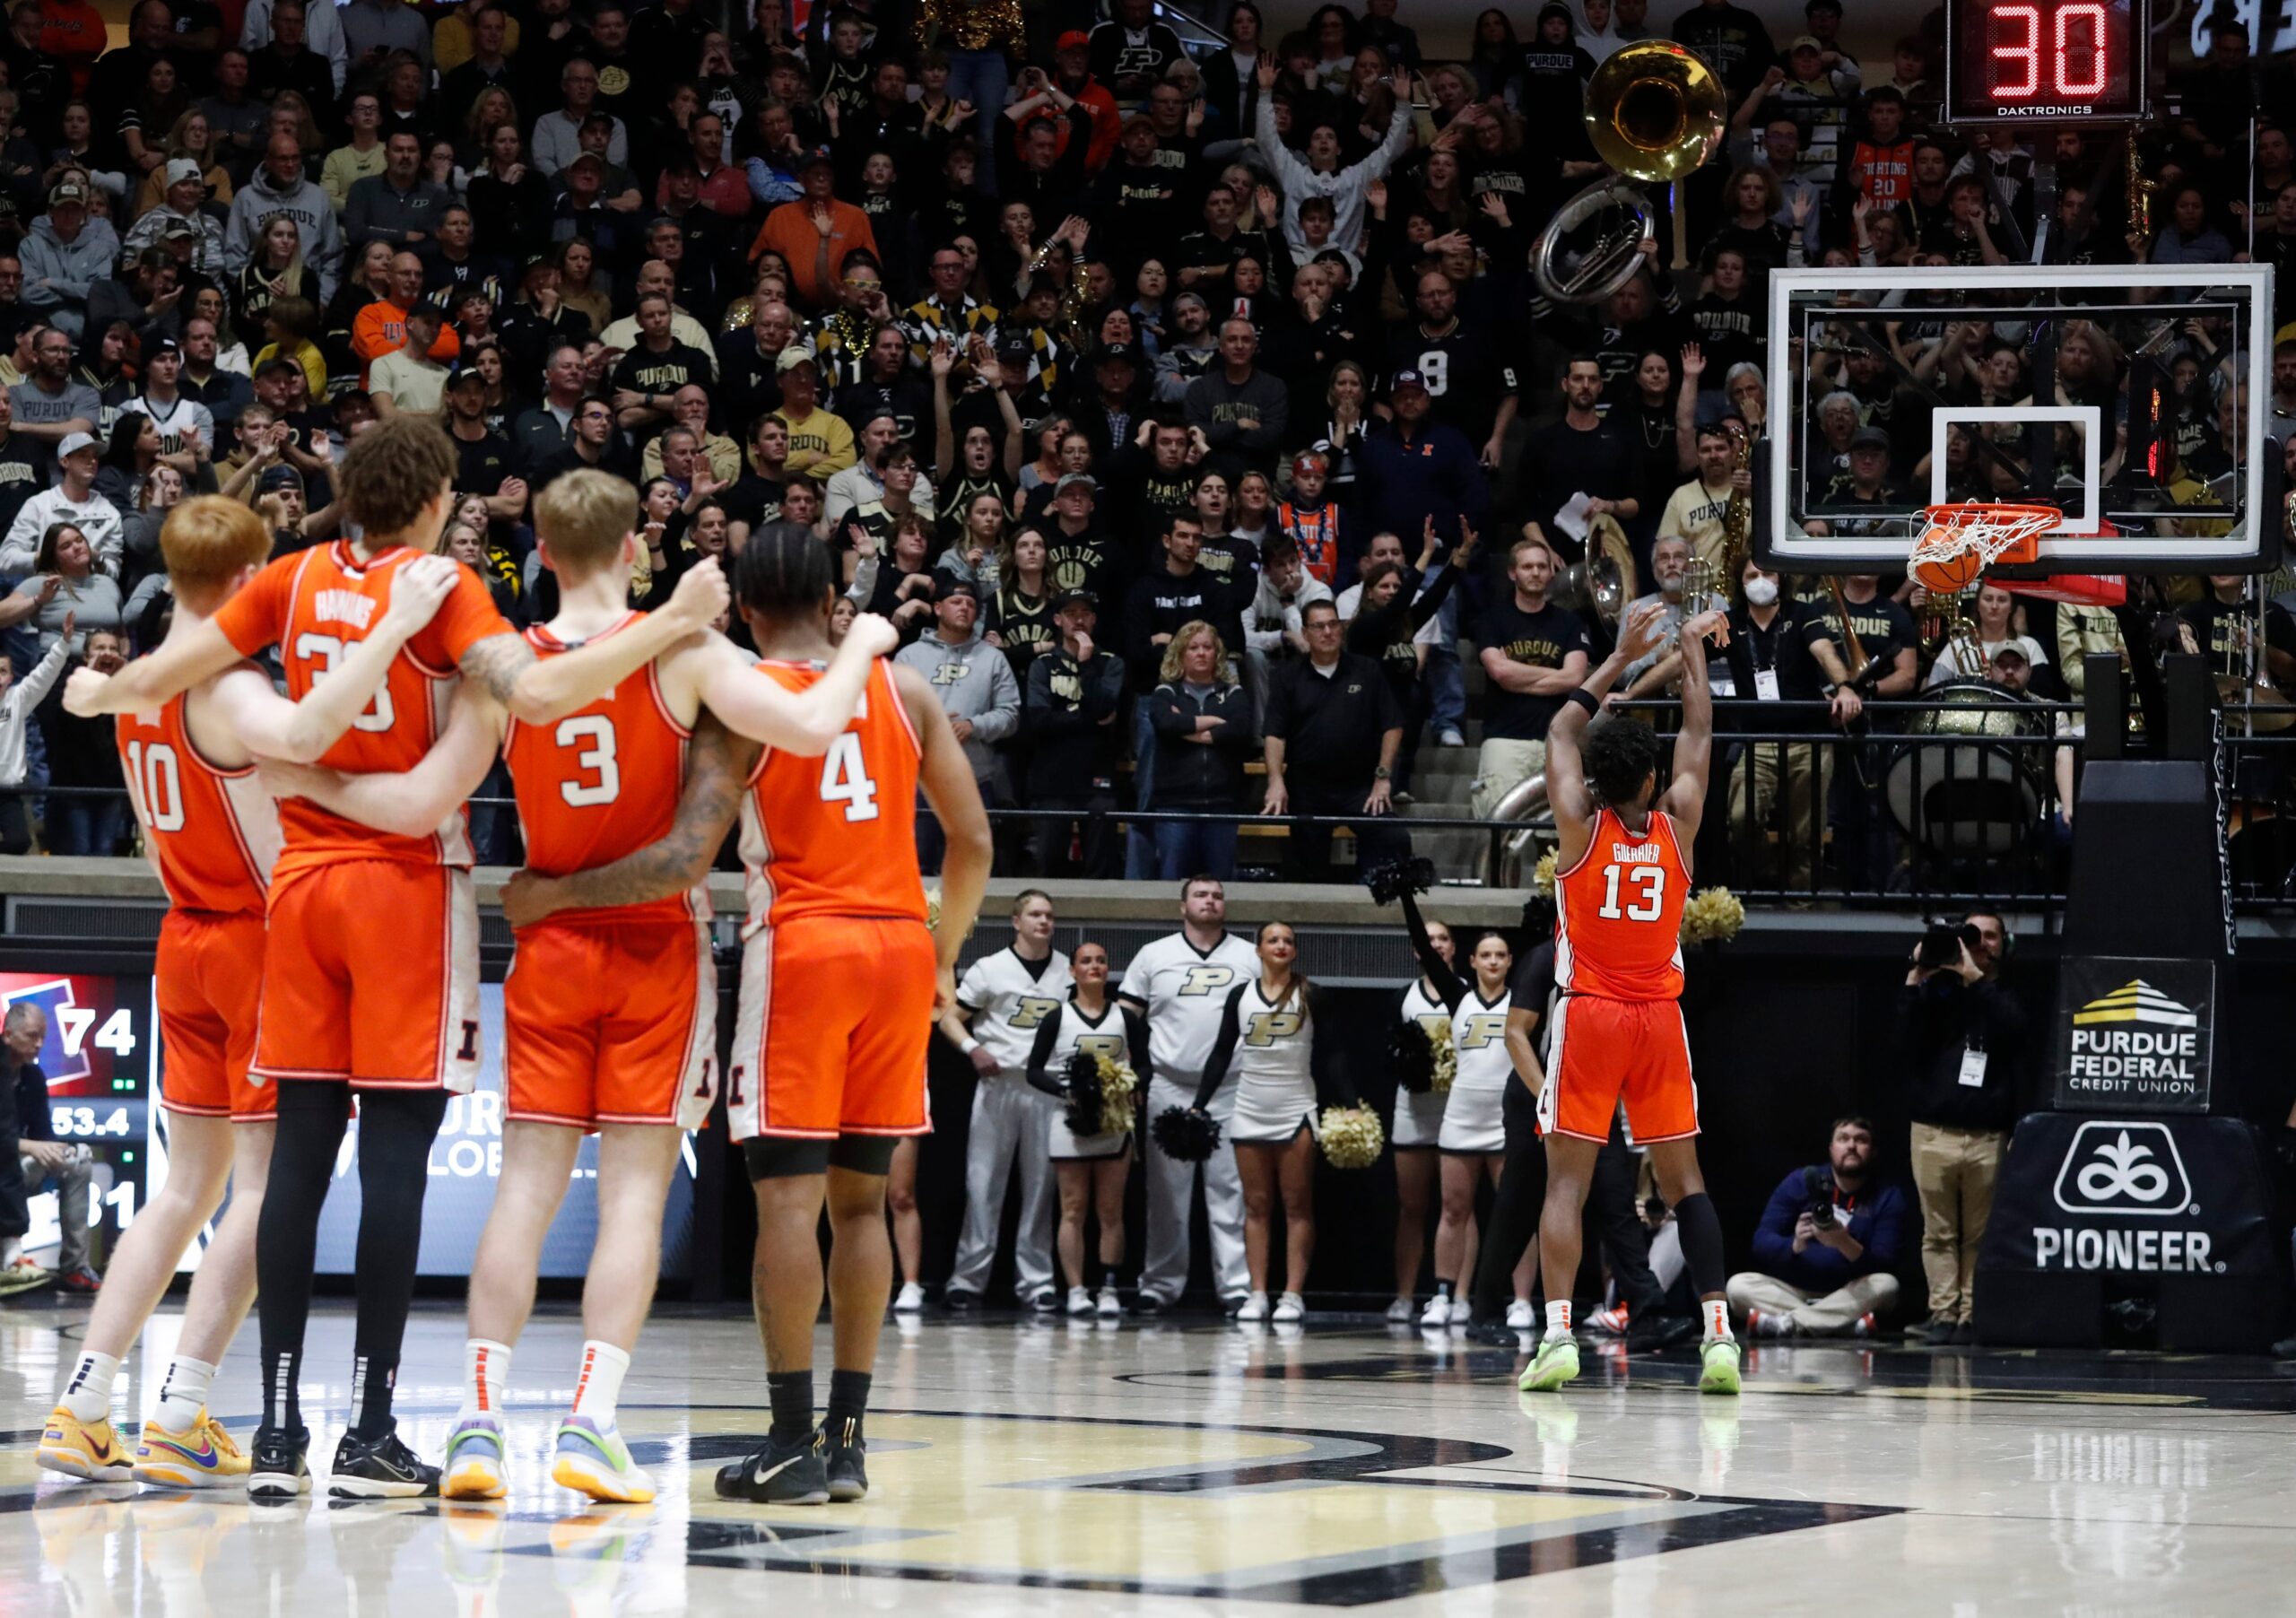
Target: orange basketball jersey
{"points": [[212, 833], [836, 835], [601, 783], [1618, 933], [313, 606]]}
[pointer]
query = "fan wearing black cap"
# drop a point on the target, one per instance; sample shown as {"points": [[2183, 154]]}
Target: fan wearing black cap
{"points": [[187, 429], [1075, 696], [1866, 483]]}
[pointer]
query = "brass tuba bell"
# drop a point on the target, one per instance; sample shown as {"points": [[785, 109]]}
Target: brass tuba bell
{"points": [[1654, 112]]}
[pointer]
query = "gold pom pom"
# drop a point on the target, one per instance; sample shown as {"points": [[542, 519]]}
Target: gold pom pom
{"points": [[1119, 1094], [1446, 1057], [1543, 873], [933, 909], [1712, 916], [1352, 1136]]}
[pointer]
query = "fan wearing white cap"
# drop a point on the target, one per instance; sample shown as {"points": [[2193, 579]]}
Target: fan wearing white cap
{"points": [[72, 500], [178, 215]]}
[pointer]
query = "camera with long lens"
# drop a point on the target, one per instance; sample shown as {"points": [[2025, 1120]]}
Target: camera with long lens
{"points": [[1942, 944]]}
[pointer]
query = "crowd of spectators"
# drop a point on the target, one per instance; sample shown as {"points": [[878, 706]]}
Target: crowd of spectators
{"points": [[1161, 398]]}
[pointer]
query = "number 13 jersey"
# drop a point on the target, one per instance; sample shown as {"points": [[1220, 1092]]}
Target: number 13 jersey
{"points": [[836, 835], [1618, 928]]}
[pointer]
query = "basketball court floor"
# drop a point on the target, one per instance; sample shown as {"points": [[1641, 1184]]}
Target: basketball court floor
{"points": [[1037, 1468]]}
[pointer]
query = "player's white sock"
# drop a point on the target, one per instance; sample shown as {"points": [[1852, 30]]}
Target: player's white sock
{"points": [[486, 1367], [1558, 1317], [87, 1392], [1717, 1319], [599, 1388], [184, 1394]]}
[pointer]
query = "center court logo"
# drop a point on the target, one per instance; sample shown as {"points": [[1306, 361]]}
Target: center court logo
{"points": [[2126, 1169]]}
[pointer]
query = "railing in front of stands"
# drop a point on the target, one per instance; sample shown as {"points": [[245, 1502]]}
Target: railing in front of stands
{"points": [[1934, 802]]}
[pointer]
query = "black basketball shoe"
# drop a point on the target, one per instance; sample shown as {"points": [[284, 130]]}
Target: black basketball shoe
{"points": [[779, 1474], [381, 1468]]}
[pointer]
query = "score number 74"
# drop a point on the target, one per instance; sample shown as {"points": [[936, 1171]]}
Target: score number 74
{"points": [[118, 1035]]}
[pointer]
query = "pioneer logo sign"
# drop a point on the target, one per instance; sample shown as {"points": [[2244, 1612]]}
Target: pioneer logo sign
{"points": [[2123, 1169], [2135, 1034]]}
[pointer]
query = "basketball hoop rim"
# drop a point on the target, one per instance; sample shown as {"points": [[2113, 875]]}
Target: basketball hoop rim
{"points": [[2007, 531]]}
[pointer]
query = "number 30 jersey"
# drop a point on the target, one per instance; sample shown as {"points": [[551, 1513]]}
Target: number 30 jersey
{"points": [[836, 835], [600, 783], [1618, 930]]}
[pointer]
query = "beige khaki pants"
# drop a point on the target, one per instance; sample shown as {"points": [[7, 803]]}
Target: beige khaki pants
{"points": [[1500, 767], [1955, 1171], [1797, 771], [1813, 1315]]}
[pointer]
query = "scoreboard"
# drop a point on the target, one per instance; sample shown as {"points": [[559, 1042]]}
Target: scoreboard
{"points": [[2060, 61], [98, 1060]]}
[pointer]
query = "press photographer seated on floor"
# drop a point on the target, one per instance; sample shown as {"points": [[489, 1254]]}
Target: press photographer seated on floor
{"points": [[1828, 1247]]}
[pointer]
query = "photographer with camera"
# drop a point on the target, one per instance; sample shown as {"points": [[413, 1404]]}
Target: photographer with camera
{"points": [[1828, 1246], [1964, 1035]]}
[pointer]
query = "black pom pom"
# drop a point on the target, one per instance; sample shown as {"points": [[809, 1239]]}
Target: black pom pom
{"points": [[1185, 1134], [1392, 881], [1083, 1081], [1411, 1054]]}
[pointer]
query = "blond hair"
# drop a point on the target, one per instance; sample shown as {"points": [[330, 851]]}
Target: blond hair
{"points": [[207, 541], [583, 516], [1222, 675]]}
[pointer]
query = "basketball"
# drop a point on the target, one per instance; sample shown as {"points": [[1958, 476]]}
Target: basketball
{"points": [[1947, 575]]}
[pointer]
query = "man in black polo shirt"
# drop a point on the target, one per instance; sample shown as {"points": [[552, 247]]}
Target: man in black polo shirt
{"points": [[1334, 727], [1533, 655]]}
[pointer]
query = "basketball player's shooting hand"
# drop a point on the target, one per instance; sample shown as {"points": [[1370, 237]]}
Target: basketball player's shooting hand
{"points": [[876, 633], [416, 593], [1643, 631], [701, 594], [1708, 626]]}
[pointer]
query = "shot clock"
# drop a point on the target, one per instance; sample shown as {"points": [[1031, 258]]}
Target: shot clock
{"points": [[2056, 61]]}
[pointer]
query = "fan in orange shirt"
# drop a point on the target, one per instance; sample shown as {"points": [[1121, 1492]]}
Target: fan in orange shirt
{"points": [[815, 233], [370, 975], [380, 328]]}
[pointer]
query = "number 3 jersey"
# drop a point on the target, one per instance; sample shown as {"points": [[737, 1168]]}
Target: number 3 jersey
{"points": [[1617, 932], [601, 783], [316, 604], [836, 835]]}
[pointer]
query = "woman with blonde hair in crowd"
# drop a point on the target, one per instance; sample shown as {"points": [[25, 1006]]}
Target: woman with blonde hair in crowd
{"points": [[192, 138], [1200, 718]]}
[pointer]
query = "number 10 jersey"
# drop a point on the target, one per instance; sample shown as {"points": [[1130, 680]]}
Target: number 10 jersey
{"points": [[836, 835], [1619, 922]]}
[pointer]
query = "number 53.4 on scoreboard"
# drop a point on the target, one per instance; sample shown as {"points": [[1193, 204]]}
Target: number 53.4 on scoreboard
{"points": [[2062, 60]]}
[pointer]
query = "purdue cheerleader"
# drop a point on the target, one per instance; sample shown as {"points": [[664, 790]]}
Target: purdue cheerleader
{"points": [[1091, 1168], [1419, 1120], [1004, 1000], [1268, 1037], [1473, 1139], [1180, 985]]}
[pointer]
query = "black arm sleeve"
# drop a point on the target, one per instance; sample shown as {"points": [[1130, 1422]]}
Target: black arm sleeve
{"points": [[1223, 1047], [1430, 601], [1327, 1057], [1041, 1053], [1136, 1038], [1449, 986]]}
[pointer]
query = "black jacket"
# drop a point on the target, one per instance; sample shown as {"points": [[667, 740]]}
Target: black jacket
{"points": [[1158, 604], [1070, 709], [1192, 775], [1939, 1021]]}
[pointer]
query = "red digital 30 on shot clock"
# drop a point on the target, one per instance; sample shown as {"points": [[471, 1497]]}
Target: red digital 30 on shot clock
{"points": [[2013, 60]]}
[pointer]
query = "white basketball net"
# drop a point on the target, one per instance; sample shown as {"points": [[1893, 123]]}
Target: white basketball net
{"points": [[1990, 531]]}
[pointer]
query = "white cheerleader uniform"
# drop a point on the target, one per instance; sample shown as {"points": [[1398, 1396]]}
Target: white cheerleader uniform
{"points": [[1475, 1120], [1071, 1030], [1419, 1118], [1267, 1051]]}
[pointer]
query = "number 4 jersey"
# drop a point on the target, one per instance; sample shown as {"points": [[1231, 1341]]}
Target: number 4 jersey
{"points": [[837, 835], [1618, 933]]}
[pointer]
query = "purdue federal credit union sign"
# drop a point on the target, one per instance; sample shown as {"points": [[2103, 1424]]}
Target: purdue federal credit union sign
{"points": [[2135, 1034]]}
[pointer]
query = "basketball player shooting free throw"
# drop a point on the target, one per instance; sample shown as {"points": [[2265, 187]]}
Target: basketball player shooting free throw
{"points": [[1622, 875]]}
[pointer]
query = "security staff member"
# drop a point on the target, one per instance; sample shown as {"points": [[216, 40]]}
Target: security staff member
{"points": [[1334, 727]]}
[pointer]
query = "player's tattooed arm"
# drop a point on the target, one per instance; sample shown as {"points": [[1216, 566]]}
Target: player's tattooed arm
{"points": [[541, 691], [412, 803], [718, 768]]}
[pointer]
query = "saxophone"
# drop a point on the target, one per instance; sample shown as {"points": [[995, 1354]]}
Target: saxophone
{"points": [[1738, 516]]}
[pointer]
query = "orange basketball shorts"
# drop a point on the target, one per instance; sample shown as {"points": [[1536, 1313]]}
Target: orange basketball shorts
{"points": [[209, 985], [1606, 1051], [371, 975], [611, 1022], [829, 1036]]}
